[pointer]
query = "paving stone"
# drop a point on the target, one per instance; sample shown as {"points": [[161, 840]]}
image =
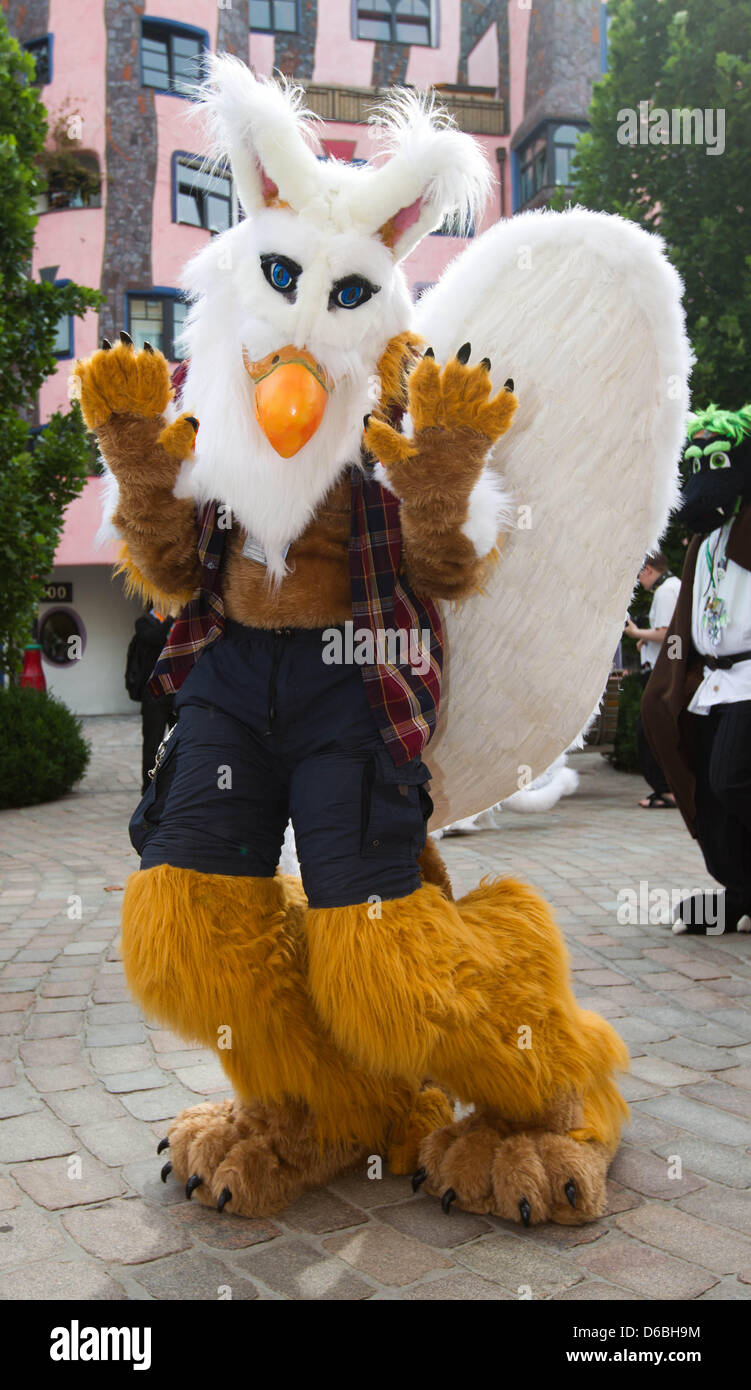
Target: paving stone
{"points": [[194, 1275], [320, 1211], [455, 1287], [599, 979], [162, 1104], [682, 1050], [163, 1041], [206, 1078], [47, 1280], [8, 1074], [721, 1206], [61, 989], [663, 1074], [62, 1050], [591, 1293], [109, 1061], [37, 1135], [619, 1198], [517, 1264], [221, 1230], [646, 1270], [18, 1100], [144, 1178], [68, 1076], [54, 1025], [678, 1233], [49, 1183], [635, 1029], [727, 1289], [740, 1076], [363, 1191], [116, 1141], [9, 1194], [705, 1120], [101, 1015], [386, 1255], [701, 969], [60, 1006], [632, 1088], [148, 1079], [13, 1023], [85, 948], [169, 1061], [712, 1034], [423, 1220], [299, 1271], [127, 1230], [38, 953], [714, 1161], [28, 1234], [115, 1035], [15, 1003], [725, 1097], [84, 1106], [648, 1174]]}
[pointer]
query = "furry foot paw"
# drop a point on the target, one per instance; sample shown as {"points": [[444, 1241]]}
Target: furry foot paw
{"points": [[252, 1160], [121, 380], [528, 1177]]}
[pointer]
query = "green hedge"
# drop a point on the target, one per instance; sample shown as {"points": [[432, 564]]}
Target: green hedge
{"points": [[42, 751], [625, 754]]}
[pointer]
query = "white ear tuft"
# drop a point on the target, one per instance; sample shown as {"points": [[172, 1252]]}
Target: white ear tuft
{"points": [[259, 124], [435, 171]]}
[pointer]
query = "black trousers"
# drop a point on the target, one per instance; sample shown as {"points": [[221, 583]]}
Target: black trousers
{"points": [[650, 768], [721, 758], [156, 715]]}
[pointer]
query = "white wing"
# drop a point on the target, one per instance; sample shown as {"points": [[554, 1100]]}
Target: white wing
{"points": [[583, 310]]}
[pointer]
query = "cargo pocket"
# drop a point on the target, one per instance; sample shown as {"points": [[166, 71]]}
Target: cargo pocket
{"points": [[148, 812], [396, 807]]}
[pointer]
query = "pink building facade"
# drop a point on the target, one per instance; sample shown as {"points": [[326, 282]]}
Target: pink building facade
{"points": [[115, 76]]}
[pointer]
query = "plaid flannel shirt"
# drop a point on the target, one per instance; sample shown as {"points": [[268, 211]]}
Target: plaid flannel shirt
{"points": [[402, 682]]}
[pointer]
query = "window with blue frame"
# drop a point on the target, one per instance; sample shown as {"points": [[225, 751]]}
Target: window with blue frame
{"points": [[63, 344], [544, 159], [41, 52], [157, 317], [171, 56], [396, 21], [202, 197], [275, 16]]}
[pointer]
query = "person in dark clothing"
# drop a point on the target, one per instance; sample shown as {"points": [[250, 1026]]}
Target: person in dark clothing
{"points": [[654, 576], [157, 712]]}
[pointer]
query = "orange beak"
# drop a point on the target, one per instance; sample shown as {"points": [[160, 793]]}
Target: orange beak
{"points": [[289, 398]]}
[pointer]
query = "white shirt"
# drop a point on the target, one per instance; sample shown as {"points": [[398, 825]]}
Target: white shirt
{"points": [[660, 614], [732, 588]]}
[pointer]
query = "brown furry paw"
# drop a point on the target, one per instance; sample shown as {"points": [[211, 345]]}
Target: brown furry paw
{"points": [[120, 380], [528, 1176], [253, 1160]]}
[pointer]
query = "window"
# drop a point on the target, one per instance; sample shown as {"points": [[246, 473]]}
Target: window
{"points": [[41, 52], [171, 56], [271, 16], [63, 344], [397, 21], [202, 197], [158, 319], [545, 159], [73, 181]]}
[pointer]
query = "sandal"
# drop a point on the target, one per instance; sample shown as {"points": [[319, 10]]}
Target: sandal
{"points": [[659, 801]]}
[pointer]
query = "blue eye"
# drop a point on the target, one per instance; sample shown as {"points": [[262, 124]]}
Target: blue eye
{"points": [[281, 273], [350, 293]]}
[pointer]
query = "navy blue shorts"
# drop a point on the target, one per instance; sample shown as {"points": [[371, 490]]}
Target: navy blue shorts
{"points": [[266, 731]]}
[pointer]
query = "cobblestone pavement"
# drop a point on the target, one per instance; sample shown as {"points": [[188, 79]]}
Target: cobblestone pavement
{"points": [[88, 1088]]}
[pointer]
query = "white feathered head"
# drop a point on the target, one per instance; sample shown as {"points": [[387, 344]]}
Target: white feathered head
{"points": [[295, 306]]}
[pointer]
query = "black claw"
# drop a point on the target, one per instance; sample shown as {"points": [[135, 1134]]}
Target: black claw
{"points": [[365, 420], [191, 1185], [418, 1179], [570, 1190], [191, 419], [225, 1196], [126, 339], [429, 352], [485, 363], [147, 347], [448, 1197], [463, 353], [509, 383], [525, 1211], [106, 344], [162, 1145], [167, 1169]]}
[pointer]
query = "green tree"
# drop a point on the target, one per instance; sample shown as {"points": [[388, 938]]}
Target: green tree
{"points": [[38, 478], [683, 55]]}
